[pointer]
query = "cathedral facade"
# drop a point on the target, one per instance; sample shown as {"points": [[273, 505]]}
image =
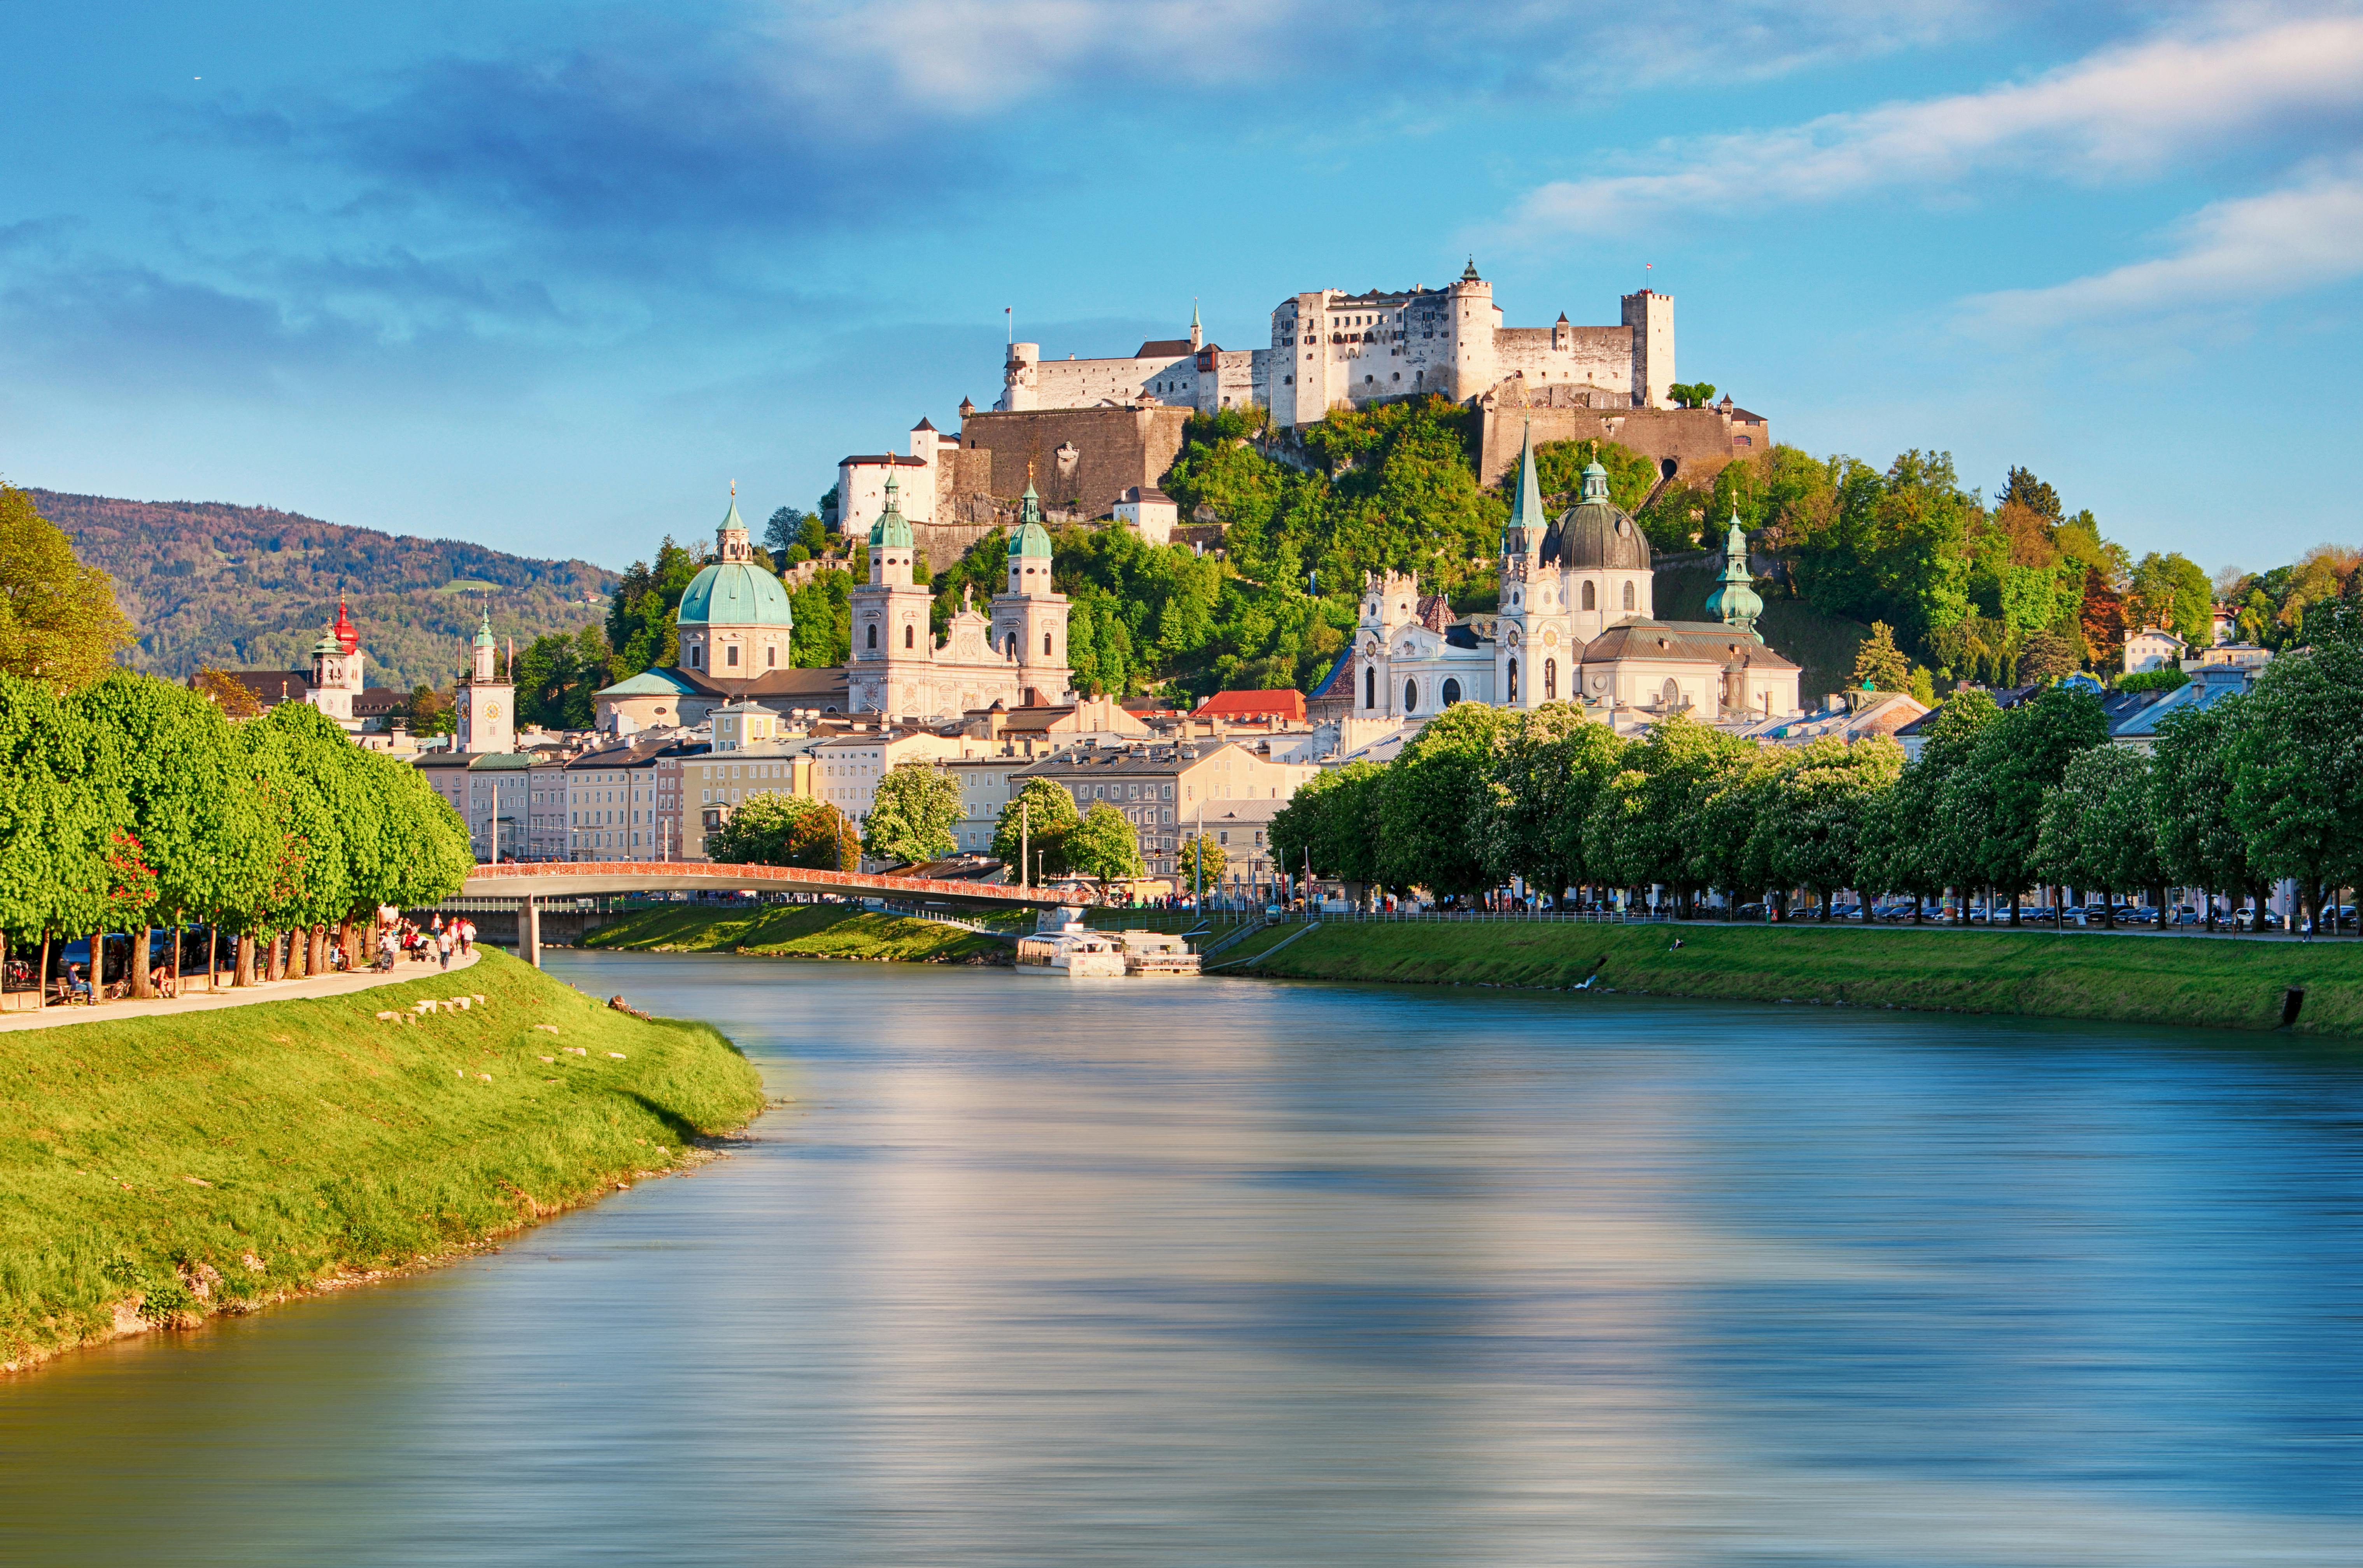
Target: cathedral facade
{"points": [[1017, 656], [1577, 621]]}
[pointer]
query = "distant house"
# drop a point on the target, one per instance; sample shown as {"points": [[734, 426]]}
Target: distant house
{"points": [[2235, 656], [2152, 647], [1150, 513], [1285, 704]]}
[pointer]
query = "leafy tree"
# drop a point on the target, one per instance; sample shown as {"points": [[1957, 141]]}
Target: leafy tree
{"points": [[760, 829], [642, 615], [1537, 786], [1039, 820], [912, 813], [1877, 666], [51, 826], [556, 676], [790, 531], [822, 637], [59, 622], [1915, 847], [2023, 489], [2171, 592], [1437, 789], [1559, 465], [824, 839], [1994, 803], [233, 696], [1818, 817], [2167, 679], [2297, 787], [2097, 828], [1331, 824], [1104, 847], [2199, 839], [431, 713], [1922, 686], [1692, 394], [1201, 864], [2045, 655]]}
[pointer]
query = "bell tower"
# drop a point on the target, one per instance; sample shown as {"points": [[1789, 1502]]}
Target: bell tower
{"points": [[1029, 622], [487, 702]]}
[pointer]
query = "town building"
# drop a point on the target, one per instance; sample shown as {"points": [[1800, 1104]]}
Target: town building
{"points": [[2237, 656], [1150, 513], [1166, 789], [486, 700], [2153, 648], [622, 803], [332, 683], [1577, 622]]}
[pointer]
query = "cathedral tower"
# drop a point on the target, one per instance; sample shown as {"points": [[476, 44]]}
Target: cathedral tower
{"points": [[1029, 622], [893, 643]]}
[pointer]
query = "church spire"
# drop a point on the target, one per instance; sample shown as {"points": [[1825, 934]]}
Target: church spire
{"points": [[1525, 528], [1734, 601], [1197, 333]]}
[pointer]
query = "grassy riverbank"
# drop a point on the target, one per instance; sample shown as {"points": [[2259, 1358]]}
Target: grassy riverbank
{"points": [[2135, 979], [797, 931], [156, 1170]]}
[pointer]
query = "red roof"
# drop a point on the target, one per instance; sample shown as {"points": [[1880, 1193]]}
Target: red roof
{"points": [[1286, 702], [347, 640]]}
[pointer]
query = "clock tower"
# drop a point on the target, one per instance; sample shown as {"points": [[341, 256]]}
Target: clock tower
{"points": [[487, 702]]}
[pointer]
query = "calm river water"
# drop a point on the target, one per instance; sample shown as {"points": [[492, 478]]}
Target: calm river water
{"points": [[1231, 1272]]}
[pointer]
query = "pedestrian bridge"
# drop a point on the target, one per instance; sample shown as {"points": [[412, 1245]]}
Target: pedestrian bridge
{"points": [[532, 884]]}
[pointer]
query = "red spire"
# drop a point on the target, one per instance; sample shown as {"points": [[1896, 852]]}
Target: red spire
{"points": [[348, 639]]}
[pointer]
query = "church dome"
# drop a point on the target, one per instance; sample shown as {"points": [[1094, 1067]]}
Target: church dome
{"points": [[734, 592], [1596, 533], [1027, 536]]}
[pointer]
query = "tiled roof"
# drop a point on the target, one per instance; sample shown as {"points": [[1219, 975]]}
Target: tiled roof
{"points": [[1285, 700], [1702, 642]]}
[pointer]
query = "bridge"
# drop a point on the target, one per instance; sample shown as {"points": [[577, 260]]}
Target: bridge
{"points": [[529, 884]]}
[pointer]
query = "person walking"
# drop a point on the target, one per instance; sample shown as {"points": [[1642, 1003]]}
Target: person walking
{"points": [[443, 946]]}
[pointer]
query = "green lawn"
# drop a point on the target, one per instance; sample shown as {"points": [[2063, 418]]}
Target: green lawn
{"points": [[796, 931], [175, 1166], [2216, 983]]}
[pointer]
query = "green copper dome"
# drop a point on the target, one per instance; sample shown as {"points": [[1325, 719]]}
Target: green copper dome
{"points": [[735, 591], [1027, 536], [484, 638], [892, 529], [1734, 601]]}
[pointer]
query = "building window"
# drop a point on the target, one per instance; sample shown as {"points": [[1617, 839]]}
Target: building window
{"points": [[1452, 687], [772, 657], [730, 655], [1452, 692], [1589, 600], [1370, 687], [874, 637], [1410, 696], [906, 636], [1550, 680], [1046, 644], [1671, 695], [1628, 594]]}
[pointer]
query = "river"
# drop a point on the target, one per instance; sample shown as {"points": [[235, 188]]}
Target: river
{"points": [[1230, 1273]]}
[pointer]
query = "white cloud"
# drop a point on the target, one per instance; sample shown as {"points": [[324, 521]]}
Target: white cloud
{"points": [[2127, 109], [2297, 237]]}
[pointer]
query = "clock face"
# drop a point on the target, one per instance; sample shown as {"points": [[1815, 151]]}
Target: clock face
{"points": [[491, 710]]}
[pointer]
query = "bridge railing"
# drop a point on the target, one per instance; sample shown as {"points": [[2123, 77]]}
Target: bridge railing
{"points": [[483, 881]]}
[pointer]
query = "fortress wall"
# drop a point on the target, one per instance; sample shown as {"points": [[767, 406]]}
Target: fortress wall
{"points": [[1594, 355], [1113, 449], [1698, 439]]}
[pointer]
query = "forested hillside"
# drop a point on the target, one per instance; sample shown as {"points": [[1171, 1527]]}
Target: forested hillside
{"points": [[211, 584]]}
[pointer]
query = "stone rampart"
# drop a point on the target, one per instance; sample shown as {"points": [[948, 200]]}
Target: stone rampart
{"points": [[1086, 458], [1697, 441]]}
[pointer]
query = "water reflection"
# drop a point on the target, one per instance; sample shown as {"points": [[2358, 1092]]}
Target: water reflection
{"points": [[1234, 1273]]}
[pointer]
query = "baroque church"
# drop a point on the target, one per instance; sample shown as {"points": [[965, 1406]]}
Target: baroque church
{"points": [[735, 628], [1576, 623]]}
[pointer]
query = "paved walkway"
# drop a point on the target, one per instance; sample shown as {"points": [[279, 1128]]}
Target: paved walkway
{"points": [[203, 1001]]}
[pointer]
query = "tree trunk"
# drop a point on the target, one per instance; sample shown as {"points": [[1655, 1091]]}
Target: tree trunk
{"points": [[2013, 906], [241, 961], [42, 976], [138, 956], [274, 957], [177, 916], [213, 955]]}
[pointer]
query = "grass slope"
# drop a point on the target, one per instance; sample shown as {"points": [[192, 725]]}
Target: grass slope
{"points": [[2138, 980], [797, 931], [165, 1168]]}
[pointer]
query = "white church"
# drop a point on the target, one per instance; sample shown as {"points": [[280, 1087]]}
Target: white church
{"points": [[1577, 621]]}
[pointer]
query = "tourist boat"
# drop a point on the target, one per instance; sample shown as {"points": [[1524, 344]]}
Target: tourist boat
{"points": [[1156, 954], [1063, 947]]}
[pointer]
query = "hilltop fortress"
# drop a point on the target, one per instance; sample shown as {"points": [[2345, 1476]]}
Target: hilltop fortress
{"points": [[1331, 349], [1088, 431]]}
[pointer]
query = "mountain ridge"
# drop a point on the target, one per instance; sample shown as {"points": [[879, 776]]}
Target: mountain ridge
{"points": [[220, 585]]}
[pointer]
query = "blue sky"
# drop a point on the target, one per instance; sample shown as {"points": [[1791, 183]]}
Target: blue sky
{"points": [[549, 277]]}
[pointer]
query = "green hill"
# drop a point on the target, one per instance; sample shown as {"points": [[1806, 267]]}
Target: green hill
{"points": [[210, 584]]}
